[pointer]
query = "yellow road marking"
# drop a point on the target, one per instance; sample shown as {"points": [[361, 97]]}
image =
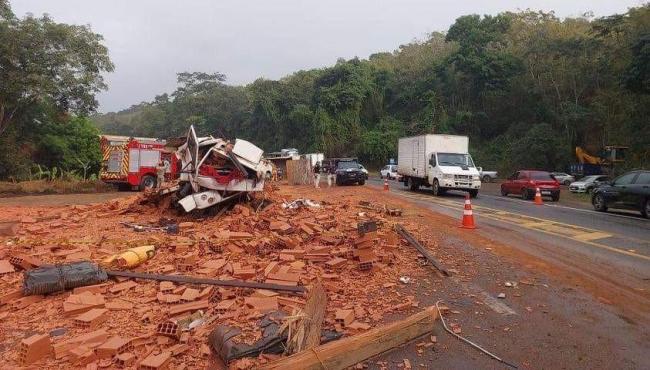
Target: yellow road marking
{"points": [[577, 233], [592, 236]]}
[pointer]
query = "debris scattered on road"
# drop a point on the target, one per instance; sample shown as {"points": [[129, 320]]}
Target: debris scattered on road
{"points": [[298, 203], [502, 295], [455, 334], [405, 279], [406, 235]]}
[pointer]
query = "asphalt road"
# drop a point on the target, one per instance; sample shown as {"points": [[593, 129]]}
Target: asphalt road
{"points": [[610, 242]]}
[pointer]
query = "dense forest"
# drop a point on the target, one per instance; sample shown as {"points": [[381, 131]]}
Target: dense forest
{"points": [[527, 87]]}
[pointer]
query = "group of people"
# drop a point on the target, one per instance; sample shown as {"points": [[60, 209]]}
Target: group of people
{"points": [[326, 170]]}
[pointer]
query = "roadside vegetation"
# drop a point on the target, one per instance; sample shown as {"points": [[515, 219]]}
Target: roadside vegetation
{"points": [[49, 75], [526, 87]]}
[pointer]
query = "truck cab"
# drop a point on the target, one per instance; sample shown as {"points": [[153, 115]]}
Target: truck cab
{"points": [[453, 171]]}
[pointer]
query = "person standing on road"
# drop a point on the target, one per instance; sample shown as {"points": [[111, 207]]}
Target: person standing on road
{"points": [[330, 175], [317, 175], [160, 171]]}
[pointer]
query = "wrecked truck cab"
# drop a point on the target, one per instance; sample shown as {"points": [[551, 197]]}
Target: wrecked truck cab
{"points": [[218, 170]]}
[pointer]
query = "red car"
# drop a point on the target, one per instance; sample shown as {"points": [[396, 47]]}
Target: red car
{"points": [[525, 183]]}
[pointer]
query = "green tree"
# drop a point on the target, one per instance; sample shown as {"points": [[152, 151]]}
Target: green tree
{"points": [[42, 61]]}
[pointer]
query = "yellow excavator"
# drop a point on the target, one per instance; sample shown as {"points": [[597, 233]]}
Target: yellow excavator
{"points": [[593, 165]]}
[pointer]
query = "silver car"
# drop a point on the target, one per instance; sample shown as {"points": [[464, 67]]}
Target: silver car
{"points": [[563, 178], [587, 183]]}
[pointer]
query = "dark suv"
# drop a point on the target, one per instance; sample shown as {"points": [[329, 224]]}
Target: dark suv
{"points": [[628, 191], [349, 172]]}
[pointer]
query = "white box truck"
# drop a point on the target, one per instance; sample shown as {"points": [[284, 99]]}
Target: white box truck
{"points": [[441, 162]]}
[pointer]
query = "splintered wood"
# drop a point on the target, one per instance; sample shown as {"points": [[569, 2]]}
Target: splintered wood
{"points": [[347, 256]]}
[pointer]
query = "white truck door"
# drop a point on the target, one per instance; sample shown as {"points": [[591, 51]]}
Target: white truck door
{"points": [[432, 166]]}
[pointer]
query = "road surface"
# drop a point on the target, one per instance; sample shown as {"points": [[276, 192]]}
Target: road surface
{"points": [[611, 247]]}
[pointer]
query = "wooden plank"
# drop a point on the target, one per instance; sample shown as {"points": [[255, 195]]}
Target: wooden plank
{"points": [[409, 238], [348, 351]]}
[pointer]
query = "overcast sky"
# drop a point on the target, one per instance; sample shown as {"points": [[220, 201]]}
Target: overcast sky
{"points": [[151, 40]]}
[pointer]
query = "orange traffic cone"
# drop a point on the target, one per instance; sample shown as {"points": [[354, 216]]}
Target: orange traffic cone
{"points": [[468, 216], [386, 184], [538, 197]]}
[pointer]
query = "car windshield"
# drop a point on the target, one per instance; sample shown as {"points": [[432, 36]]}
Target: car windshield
{"points": [[344, 165], [455, 159], [590, 179], [541, 176]]}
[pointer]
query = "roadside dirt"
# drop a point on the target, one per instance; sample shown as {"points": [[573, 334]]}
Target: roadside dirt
{"points": [[62, 199]]}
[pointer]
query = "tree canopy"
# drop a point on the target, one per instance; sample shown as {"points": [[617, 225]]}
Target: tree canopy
{"points": [[49, 75], [527, 87]]}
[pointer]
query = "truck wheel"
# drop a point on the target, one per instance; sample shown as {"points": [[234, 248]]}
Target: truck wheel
{"points": [[413, 185], [147, 182], [435, 188], [524, 194], [645, 211], [555, 198], [504, 192], [362, 182], [487, 178], [473, 193]]}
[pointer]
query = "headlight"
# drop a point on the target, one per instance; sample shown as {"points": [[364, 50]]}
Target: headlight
{"points": [[448, 176], [475, 177]]}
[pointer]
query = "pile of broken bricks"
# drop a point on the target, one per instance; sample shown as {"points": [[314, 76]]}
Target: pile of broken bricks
{"points": [[130, 323]]}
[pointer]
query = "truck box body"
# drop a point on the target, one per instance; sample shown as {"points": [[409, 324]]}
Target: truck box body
{"points": [[412, 152]]}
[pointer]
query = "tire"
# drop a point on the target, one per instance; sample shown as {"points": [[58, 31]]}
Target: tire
{"points": [[487, 178], [555, 198], [598, 201], [567, 182], [147, 182], [435, 188], [362, 182], [473, 193], [645, 211], [504, 192], [414, 186], [524, 194]]}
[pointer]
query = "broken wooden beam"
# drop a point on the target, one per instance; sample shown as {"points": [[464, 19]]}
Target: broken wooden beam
{"points": [[196, 280], [409, 238], [348, 351]]}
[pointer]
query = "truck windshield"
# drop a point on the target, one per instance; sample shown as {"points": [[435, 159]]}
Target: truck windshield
{"points": [[455, 159]]}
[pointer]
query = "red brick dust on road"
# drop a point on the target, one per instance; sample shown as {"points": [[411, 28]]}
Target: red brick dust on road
{"points": [[559, 321], [563, 319]]}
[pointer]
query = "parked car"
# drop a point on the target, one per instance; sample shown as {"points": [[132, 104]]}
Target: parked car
{"points": [[389, 172], [628, 191], [363, 169], [587, 183], [350, 172], [525, 183], [487, 176], [563, 178]]}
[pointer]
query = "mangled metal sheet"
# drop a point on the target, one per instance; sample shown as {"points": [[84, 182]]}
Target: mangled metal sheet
{"points": [[218, 170]]}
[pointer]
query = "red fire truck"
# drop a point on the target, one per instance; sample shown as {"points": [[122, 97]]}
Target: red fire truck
{"points": [[130, 162]]}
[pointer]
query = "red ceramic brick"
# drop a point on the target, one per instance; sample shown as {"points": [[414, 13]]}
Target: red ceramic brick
{"points": [[114, 346], [91, 319], [156, 362], [34, 348]]}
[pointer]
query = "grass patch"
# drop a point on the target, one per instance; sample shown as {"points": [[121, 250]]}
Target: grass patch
{"points": [[42, 187]]}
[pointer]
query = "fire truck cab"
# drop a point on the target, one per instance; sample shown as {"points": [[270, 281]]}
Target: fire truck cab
{"points": [[130, 162]]}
